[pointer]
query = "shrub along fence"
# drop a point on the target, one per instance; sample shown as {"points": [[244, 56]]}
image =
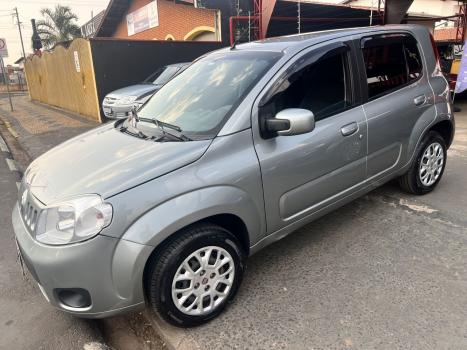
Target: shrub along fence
{"points": [[77, 78]]}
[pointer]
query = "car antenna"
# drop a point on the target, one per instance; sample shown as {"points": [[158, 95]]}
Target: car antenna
{"points": [[234, 44], [237, 40]]}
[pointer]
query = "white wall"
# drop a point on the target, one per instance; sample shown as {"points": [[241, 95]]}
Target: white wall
{"points": [[434, 7]]}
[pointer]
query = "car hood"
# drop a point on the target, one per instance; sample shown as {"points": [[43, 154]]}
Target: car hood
{"points": [[106, 161], [134, 90]]}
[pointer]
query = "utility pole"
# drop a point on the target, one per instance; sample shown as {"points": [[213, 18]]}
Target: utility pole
{"points": [[7, 80], [20, 34], [299, 12]]}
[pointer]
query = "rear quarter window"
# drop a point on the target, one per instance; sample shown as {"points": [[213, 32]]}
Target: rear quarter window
{"points": [[414, 61], [391, 63]]}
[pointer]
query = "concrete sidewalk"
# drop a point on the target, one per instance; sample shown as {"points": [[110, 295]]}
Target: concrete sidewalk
{"points": [[39, 127]]}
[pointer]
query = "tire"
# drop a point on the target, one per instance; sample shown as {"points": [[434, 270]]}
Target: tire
{"points": [[205, 245], [418, 181]]}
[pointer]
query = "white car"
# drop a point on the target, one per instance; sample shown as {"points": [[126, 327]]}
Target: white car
{"points": [[119, 103]]}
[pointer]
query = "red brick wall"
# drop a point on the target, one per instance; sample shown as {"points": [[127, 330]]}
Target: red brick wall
{"points": [[445, 34], [175, 19]]}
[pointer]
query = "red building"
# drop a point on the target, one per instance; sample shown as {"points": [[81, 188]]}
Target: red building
{"points": [[159, 20]]}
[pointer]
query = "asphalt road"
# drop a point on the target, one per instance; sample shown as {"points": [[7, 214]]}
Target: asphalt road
{"points": [[27, 321]]}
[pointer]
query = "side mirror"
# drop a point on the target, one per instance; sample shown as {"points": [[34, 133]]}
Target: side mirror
{"points": [[291, 121]]}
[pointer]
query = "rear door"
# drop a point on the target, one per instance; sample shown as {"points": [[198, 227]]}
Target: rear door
{"points": [[398, 94]]}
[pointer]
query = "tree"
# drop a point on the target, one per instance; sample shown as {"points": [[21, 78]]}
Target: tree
{"points": [[57, 26]]}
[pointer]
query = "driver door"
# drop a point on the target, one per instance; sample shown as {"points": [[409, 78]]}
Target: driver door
{"points": [[304, 173]]}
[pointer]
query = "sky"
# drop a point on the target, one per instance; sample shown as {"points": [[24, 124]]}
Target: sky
{"points": [[28, 9]]}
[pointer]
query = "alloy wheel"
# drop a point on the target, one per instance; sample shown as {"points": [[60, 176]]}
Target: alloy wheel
{"points": [[203, 280], [431, 164]]}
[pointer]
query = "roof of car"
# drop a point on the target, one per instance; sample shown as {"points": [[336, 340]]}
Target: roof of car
{"points": [[298, 41]]}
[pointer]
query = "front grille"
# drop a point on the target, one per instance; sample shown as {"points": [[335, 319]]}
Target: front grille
{"points": [[121, 114], [30, 210]]}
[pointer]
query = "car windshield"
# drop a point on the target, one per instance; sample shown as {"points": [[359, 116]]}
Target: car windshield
{"points": [[201, 98], [162, 76]]}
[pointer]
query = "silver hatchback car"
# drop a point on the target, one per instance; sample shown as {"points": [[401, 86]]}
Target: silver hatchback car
{"points": [[240, 149]]}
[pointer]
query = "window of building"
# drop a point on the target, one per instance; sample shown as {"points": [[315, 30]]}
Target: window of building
{"points": [[322, 87], [390, 64]]}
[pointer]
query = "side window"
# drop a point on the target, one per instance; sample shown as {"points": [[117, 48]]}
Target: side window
{"points": [[414, 61], [385, 68], [322, 87], [390, 64]]}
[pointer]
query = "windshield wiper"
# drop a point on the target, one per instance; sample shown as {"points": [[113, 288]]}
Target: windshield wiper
{"points": [[139, 134], [135, 118], [162, 125], [126, 129], [159, 123]]}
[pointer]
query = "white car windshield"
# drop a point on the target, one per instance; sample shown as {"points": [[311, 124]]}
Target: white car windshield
{"points": [[163, 75]]}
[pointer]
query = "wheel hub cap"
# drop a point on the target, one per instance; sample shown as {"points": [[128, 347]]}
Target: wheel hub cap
{"points": [[203, 280], [431, 164]]}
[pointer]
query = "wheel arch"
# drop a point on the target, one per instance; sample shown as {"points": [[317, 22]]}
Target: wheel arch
{"points": [[446, 129], [229, 207], [442, 123], [230, 222]]}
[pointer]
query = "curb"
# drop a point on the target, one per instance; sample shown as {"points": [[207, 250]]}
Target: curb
{"points": [[12, 147], [175, 338], [10, 162], [10, 129]]}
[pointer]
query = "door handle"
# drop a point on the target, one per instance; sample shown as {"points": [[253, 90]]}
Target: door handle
{"points": [[419, 100], [349, 129]]}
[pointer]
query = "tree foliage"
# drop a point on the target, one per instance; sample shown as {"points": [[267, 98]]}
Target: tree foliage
{"points": [[58, 25]]}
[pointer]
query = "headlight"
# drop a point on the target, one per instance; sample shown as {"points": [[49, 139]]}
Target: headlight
{"points": [[127, 99], [73, 221]]}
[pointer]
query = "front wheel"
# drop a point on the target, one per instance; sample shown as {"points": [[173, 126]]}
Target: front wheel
{"points": [[428, 167], [196, 275]]}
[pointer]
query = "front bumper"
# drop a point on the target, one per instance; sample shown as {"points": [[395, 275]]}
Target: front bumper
{"points": [[109, 269], [115, 111]]}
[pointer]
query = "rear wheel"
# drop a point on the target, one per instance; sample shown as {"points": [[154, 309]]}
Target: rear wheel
{"points": [[196, 275], [428, 167]]}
